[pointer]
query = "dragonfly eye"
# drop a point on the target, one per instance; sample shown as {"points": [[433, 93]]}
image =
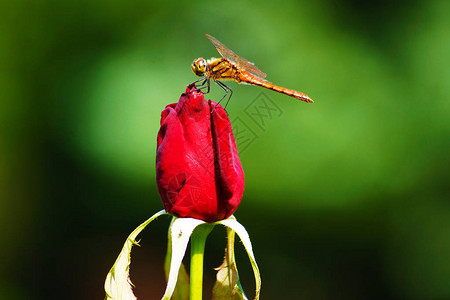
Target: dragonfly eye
{"points": [[199, 66]]}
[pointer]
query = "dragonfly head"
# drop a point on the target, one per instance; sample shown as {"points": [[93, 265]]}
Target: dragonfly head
{"points": [[199, 66]]}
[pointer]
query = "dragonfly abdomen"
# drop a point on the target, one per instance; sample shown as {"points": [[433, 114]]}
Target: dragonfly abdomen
{"points": [[248, 78]]}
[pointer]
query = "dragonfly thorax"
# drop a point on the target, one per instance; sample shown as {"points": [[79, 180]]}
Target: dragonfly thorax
{"points": [[199, 66]]}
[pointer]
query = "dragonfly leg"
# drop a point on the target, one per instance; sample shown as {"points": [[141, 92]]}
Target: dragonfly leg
{"points": [[207, 86], [201, 79], [227, 90], [204, 85]]}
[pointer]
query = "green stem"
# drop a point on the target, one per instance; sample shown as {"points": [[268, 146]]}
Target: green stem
{"points": [[198, 241]]}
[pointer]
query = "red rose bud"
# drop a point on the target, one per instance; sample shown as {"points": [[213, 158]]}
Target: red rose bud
{"points": [[198, 171]]}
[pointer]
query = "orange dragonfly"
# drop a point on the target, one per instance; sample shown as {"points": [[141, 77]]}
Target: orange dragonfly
{"points": [[233, 67]]}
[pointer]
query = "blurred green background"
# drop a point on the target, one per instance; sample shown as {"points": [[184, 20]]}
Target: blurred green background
{"points": [[346, 198]]}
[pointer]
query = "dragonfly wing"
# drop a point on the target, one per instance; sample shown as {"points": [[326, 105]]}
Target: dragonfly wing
{"points": [[241, 62], [222, 49], [250, 67]]}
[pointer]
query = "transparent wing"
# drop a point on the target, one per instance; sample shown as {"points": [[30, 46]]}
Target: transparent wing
{"points": [[233, 57]]}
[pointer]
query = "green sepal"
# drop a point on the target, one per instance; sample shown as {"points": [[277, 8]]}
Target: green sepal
{"points": [[227, 284], [232, 224], [180, 231], [118, 285], [181, 291]]}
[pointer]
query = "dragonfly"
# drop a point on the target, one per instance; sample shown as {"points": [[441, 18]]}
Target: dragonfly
{"points": [[236, 68]]}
